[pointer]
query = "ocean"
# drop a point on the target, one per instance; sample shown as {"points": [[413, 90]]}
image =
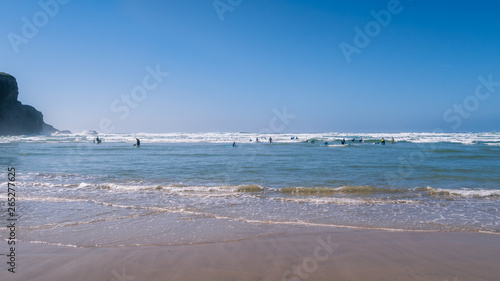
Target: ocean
{"points": [[195, 187]]}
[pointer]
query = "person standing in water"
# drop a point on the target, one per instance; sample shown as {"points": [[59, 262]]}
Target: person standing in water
{"points": [[234, 144], [138, 142], [270, 140]]}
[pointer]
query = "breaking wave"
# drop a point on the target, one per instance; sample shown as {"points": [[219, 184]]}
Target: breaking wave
{"points": [[478, 193], [488, 138]]}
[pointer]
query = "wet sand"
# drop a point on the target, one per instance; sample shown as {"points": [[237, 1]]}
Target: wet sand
{"points": [[336, 254]]}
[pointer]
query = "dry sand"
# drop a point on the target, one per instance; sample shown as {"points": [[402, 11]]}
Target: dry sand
{"points": [[337, 254]]}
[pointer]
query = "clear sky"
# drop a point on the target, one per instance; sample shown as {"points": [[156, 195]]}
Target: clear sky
{"points": [[341, 66]]}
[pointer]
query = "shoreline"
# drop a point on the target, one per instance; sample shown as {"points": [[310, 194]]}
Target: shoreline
{"points": [[336, 254]]}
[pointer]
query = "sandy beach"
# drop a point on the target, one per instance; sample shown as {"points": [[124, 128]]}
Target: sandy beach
{"points": [[337, 254]]}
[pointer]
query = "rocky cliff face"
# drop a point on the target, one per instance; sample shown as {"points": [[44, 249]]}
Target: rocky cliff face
{"points": [[16, 118]]}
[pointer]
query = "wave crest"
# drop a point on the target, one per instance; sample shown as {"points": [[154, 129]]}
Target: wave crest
{"points": [[478, 193], [332, 190]]}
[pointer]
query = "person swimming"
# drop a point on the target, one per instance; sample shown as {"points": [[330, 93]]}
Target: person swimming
{"points": [[138, 142]]}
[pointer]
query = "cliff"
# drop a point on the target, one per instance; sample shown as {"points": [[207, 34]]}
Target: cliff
{"points": [[16, 118]]}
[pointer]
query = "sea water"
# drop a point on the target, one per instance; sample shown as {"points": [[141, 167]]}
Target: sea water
{"points": [[197, 187]]}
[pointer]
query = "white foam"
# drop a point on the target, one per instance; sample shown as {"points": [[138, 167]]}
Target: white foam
{"points": [[493, 143], [52, 199], [329, 200], [489, 138], [464, 192], [54, 244], [345, 201]]}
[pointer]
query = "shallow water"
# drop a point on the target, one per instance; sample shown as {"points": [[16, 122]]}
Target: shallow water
{"points": [[194, 189]]}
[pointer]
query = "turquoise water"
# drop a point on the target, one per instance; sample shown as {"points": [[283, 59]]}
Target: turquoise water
{"points": [[425, 182]]}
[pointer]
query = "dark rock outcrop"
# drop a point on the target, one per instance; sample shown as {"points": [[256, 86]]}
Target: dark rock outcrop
{"points": [[16, 118]]}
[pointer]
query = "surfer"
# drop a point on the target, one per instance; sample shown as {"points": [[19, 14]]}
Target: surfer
{"points": [[326, 143], [257, 140], [234, 144], [342, 141], [392, 140], [270, 140], [383, 141], [361, 140], [353, 139], [97, 140], [138, 142]]}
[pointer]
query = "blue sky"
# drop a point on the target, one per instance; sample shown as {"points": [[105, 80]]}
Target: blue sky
{"points": [[418, 72]]}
